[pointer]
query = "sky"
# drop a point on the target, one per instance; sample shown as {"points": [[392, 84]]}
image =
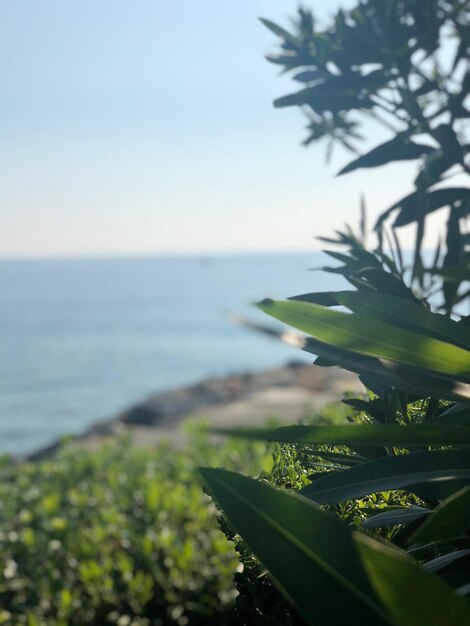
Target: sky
{"points": [[147, 127]]}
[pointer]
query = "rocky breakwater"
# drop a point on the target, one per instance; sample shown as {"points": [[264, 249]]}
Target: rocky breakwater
{"points": [[286, 393]]}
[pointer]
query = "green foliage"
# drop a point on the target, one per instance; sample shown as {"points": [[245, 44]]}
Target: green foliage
{"points": [[312, 540], [378, 339], [405, 65], [399, 479], [118, 537], [280, 528], [410, 594]]}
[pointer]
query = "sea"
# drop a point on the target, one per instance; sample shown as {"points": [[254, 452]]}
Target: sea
{"points": [[83, 339]]}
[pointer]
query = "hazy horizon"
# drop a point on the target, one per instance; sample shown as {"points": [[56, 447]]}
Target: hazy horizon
{"points": [[149, 129], [190, 254]]}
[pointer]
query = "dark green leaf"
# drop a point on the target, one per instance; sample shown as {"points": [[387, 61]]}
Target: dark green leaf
{"points": [[435, 164], [412, 595], [454, 257], [372, 408], [400, 148], [402, 515], [412, 207], [310, 554], [450, 519], [395, 472], [326, 298], [426, 434], [387, 283], [438, 491], [380, 373], [442, 562], [339, 458], [277, 30], [458, 274], [320, 98], [459, 412]]}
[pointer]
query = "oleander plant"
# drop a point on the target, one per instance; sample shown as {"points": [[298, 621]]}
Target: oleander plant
{"points": [[374, 527]]}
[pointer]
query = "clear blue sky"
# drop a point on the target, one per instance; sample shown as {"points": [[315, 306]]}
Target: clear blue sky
{"points": [[147, 127]]}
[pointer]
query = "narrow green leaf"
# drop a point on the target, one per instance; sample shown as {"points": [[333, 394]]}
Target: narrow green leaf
{"points": [[371, 337], [412, 595], [434, 165], [450, 519], [397, 149], [310, 76], [386, 283], [438, 491], [458, 557], [324, 298], [309, 553], [385, 373], [320, 98], [405, 313], [427, 434], [393, 472], [456, 274], [277, 30], [454, 257], [459, 412], [402, 515], [340, 458], [412, 208], [372, 408]]}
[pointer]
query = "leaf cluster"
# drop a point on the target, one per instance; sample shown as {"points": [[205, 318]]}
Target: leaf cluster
{"points": [[373, 524], [405, 64]]}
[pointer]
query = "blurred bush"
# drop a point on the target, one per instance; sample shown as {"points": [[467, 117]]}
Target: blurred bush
{"points": [[119, 536]]}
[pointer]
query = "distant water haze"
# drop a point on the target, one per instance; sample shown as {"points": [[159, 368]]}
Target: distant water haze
{"points": [[82, 339]]}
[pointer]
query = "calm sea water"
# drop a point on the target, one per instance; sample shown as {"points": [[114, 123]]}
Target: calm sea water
{"points": [[83, 339]]}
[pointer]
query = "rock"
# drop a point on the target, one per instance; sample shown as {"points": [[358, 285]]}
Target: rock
{"points": [[287, 393], [168, 405]]}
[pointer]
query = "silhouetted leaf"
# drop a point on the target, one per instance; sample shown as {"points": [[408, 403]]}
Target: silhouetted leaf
{"points": [[453, 257], [400, 148], [412, 207]]}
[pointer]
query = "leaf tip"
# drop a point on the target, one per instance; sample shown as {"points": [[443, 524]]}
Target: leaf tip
{"points": [[267, 302]]}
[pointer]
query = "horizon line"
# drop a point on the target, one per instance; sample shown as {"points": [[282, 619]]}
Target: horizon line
{"points": [[131, 256]]}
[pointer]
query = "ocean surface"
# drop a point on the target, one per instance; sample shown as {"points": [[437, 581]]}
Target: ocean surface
{"points": [[81, 340]]}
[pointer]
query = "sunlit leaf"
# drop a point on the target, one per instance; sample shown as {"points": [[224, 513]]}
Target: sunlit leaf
{"points": [[371, 337]]}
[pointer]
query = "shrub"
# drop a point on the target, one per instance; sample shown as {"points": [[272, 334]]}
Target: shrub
{"points": [[119, 536], [400, 478]]}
